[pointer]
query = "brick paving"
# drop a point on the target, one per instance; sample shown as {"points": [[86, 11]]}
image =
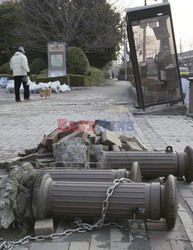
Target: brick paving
{"points": [[22, 125]]}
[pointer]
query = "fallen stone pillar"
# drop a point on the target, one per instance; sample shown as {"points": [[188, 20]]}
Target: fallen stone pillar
{"points": [[91, 175], [154, 164], [84, 199]]}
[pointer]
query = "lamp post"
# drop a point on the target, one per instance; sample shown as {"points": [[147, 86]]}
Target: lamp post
{"points": [[125, 52]]}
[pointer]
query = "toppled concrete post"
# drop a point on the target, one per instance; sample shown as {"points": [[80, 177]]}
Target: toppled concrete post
{"points": [[93, 175], [15, 197], [153, 164], [145, 200]]}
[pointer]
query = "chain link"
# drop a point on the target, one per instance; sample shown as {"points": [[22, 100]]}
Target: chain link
{"points": [[81, 227]]}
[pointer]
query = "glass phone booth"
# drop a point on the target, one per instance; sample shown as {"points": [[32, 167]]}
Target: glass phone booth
{"points": [[153, 54]]}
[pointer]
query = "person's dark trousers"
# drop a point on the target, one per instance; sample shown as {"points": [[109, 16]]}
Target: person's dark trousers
{"points": [[26, 90], [17, 85]]}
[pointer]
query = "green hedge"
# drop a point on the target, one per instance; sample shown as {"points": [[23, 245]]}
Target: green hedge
{"points": [[43, 73], [10, 77], [96, 77], [79, 80]]}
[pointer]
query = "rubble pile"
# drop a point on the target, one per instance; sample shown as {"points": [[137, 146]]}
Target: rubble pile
{"points": [[82, 155], [78, 145]]}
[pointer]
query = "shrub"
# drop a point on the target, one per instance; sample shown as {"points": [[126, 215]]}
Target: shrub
{"points": [[107, 75], [5, 69], [9, 77], [37, 65], [79, 80], [77, 62], [95, 77], [43, 74]]}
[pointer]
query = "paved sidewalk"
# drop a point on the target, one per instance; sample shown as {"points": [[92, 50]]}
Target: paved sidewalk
{"points": [[22, 125]]}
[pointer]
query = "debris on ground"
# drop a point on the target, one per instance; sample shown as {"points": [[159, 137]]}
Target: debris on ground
{"points": [[16, 196], [55, 86], [77, 145]]}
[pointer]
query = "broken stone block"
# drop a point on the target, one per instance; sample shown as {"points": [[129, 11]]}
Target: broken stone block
{"points": [[76, 133], [72, 150], [123, 145], [92, 136], [98, 140], [125, 138], [31, 157], [97, 154], [115, 148], [45, 155], [68, 131], [43, 143], [99, 130], [138, 141], [44, 227], [42, 151], [108, 138], [132, 146], [51, 139]]}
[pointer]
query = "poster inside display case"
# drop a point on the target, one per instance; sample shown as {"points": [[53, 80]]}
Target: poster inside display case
{"points": [[154, 55]]}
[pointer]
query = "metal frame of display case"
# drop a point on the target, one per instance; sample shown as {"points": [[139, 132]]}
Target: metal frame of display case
{"points": [[137, 14]]}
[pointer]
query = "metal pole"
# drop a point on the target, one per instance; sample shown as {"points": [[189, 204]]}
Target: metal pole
{"points": [[125, 52], [144, 38], [190, 111], [84, 199], [154, 164]]}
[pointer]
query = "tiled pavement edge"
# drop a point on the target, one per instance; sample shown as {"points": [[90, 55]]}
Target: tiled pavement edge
{"points": [[22, 125]]}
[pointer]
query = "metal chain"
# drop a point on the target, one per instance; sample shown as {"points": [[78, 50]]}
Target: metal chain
{"points": [[81, 227]]}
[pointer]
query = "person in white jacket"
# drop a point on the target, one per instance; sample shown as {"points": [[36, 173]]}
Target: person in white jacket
{"points": [[19, 65]]}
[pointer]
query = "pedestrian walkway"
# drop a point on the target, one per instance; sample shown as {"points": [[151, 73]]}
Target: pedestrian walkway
{"points": [[22, 125]]}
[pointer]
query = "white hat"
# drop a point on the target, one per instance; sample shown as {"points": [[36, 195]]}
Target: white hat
{"points": [[21, 49]]}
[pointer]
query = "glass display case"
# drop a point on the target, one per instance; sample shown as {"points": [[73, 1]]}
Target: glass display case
{"points": [[153, 54], [56, 59]]}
